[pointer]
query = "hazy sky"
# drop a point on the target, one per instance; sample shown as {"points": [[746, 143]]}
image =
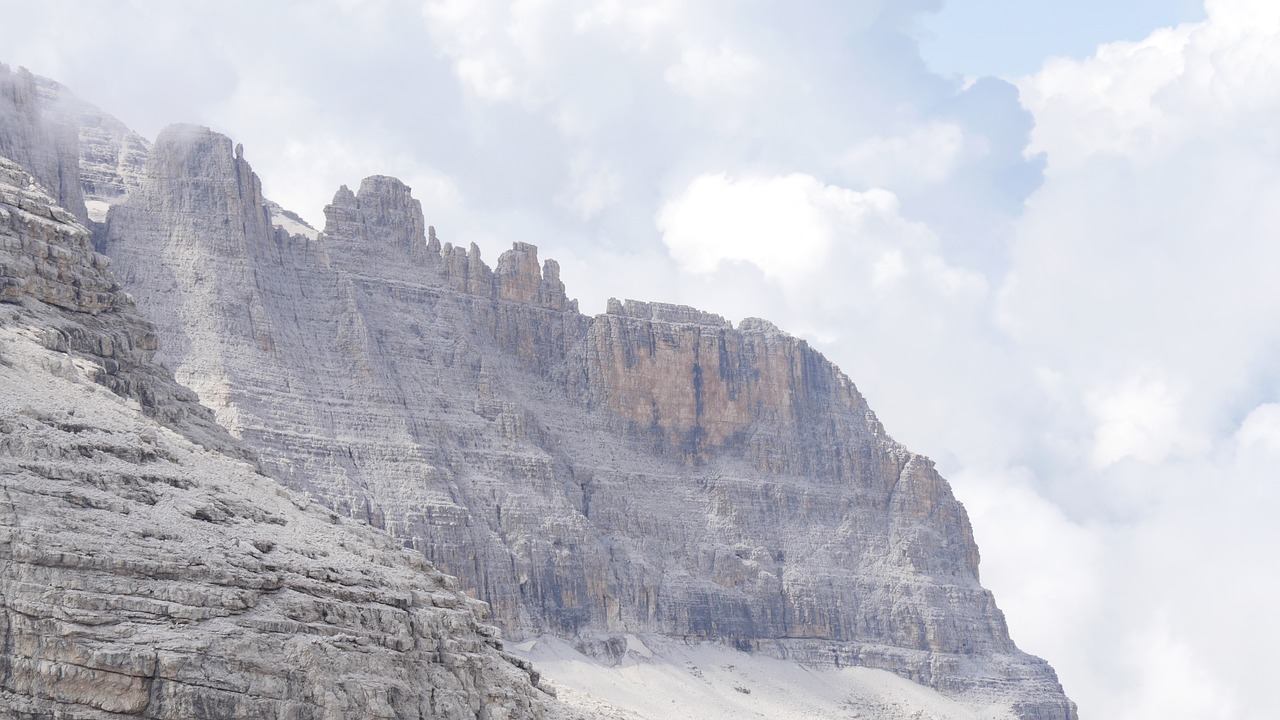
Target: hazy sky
{"points": [[1061, 285]]}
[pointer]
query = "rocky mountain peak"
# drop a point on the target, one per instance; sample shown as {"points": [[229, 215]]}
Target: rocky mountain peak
{"points": [[196, 173], [341, 215], [519, 278], [391, 213], [195, 154], [382, 216]]}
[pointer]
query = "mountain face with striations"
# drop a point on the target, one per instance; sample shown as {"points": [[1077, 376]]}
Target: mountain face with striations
{"points": [[653, 472], [147, 568]]}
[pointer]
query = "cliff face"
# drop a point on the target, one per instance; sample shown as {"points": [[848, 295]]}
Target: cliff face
{"points": [[111, 156], [147, 570], [45, 146], [649, 470]]}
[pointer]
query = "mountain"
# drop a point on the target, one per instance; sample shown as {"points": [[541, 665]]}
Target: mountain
{"points": [[42, 143], [147, 569], [651, 470], [651, 477]]}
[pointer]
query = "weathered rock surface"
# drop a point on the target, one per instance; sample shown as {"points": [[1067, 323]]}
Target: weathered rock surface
{"points": [[46, 146], [111, 156], [142, 575], [46, 256], [649, 470]]}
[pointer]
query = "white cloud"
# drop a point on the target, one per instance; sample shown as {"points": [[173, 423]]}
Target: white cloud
{"points": [[795, 228], [1107, 103], [479, 36], [1174, 681], [1140, 418], [1260, 432], [703, 74], [1141, 279], [1148, 98], [924, 154], [783, 225]]}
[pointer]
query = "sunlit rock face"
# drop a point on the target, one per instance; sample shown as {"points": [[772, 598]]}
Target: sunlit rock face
{"points": [[148, 570], [653, 469]]}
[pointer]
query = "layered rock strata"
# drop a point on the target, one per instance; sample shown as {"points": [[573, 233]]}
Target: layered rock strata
{"points": [[649, 470], [111, 157], [146, 575], [46, 256]]}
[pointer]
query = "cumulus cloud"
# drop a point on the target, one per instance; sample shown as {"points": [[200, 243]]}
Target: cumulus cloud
{"points": [[1140, 418], [783, 225], [1169, 270], [927, 153], [1141, 276], [798, 232]]}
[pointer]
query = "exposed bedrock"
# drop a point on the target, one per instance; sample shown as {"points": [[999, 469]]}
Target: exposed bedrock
{"points": [[43, 144], [147, 570], [651, 469]]}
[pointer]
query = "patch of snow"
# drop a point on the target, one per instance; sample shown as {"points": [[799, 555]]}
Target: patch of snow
{"points": [[663, 678], [637, 646], [97, 210], [290, 222]]}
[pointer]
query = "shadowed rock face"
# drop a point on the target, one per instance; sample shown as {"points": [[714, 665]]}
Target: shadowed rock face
{"points": [[46, 257], [46, 147], [111, 156], [143, 575], [649, 470]]}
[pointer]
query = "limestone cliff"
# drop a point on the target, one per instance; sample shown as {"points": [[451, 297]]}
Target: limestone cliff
{"points": [[46, 146], [649, 470], [147, 570], [111, 156]]}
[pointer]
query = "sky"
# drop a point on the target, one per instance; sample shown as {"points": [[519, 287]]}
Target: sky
{"points": [[1040, 237]]}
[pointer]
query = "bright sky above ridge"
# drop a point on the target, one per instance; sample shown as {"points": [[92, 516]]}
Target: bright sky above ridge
{"points": [[1059, 285]]}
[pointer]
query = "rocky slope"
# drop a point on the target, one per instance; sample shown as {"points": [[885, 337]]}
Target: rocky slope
{"points": [[651, 470], [147, 570]]}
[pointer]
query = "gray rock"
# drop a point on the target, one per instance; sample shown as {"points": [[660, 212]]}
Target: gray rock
{"points": [[143, 575], [650, 470], [111, 156], [46, 146]]}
